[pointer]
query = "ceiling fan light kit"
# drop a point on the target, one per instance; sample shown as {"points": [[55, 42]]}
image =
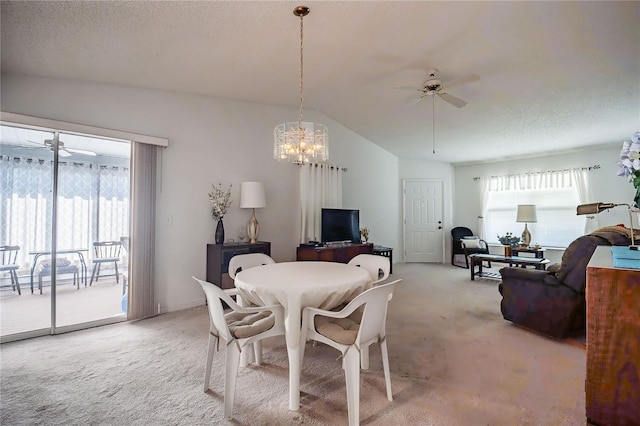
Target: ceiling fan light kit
{"points": [[301, 142]]}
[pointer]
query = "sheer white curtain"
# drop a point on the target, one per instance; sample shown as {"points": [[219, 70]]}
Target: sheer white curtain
{"points": [[320, 186], [141, 299], [581, 180], [93, 204], [484, 202]]}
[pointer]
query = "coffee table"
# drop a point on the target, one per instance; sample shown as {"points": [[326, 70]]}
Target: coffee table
{"points": [[477, 259]]}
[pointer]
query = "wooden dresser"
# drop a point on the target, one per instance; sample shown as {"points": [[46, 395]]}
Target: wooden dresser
{"points": [[219, 255], [613, 342], [334, 253]]}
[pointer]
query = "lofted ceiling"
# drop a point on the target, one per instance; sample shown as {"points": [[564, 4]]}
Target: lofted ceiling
{"points": [[554, 76]]}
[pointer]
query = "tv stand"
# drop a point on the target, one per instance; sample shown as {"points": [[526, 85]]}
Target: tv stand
{"points": [[342, 253]]}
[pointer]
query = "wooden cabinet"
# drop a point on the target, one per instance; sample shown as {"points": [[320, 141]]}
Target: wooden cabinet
{"points": [[219, 255], [613, 342], [337, 253]]}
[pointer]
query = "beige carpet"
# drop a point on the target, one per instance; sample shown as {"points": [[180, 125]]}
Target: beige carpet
{"points": [[454, 361]]}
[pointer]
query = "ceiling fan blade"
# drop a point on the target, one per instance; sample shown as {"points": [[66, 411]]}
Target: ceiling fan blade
{"points": [[460, 81], [455, 101], [64, 153], [80, 151]]}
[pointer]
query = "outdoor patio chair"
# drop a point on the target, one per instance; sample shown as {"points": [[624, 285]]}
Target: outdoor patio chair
{"points": [[9, 255], [105, 252]]}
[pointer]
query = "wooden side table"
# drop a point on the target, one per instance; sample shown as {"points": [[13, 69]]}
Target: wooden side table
{"points": [[538, 253], [386, 252], [612, 384]]}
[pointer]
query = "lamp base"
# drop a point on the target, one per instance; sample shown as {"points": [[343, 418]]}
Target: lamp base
{"points": [[253, 228], [526, 236]]}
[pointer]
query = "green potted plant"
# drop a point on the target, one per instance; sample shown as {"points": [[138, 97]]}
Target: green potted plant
{"points": [[509, 239]]}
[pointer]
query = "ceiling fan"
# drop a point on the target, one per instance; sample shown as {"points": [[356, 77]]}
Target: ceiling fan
{"points": [[62, 150], [434, 86]]}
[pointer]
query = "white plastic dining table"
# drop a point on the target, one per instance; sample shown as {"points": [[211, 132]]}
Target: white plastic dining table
{"points": [[297, 285]]}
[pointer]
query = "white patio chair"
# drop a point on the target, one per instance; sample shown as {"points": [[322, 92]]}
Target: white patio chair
{"points": [[238, 328], [377, 266], [341, 331], [238, 263]]}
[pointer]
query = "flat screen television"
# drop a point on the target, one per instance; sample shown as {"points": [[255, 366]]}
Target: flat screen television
{"points": [[340, 225]]}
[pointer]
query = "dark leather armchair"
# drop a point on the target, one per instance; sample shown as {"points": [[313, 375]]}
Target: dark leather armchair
{"points": [[457, 247], [552, 302]]}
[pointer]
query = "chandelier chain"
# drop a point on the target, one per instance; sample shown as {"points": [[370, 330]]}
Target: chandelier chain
{"points": [[301, 69]]}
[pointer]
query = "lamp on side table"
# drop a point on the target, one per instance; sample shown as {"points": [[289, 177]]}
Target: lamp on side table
{"points": [[252, 197]]}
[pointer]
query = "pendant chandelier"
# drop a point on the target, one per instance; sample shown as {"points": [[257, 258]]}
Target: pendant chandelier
{"points": [[301, 142]]}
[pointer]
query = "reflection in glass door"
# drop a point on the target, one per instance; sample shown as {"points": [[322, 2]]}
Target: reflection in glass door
{"points": [[91, 179]]}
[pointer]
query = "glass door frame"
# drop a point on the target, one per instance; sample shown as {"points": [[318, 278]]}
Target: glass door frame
{"points": [[53, 328]]}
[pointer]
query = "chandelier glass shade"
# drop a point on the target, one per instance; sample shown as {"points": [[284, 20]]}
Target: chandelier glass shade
{"points": [[301, 142]]}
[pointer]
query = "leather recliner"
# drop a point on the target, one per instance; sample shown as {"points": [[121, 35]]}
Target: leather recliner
{"points": [[552, 302]]}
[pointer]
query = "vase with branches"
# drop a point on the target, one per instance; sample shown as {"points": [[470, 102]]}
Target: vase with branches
{"points": [[220, 203]]}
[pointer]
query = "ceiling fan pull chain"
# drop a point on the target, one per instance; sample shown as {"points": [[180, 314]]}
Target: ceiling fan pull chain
{"points": [[433, 124]]}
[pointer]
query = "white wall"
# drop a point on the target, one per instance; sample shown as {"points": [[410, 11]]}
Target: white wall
{"points": [[211, 141], [419, 169], [606, 186]]}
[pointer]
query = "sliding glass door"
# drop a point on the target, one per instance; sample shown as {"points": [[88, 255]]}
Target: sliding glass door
{"points": [[64, 198]]}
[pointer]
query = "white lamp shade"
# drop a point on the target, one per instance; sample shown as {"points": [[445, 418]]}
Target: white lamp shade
{"points": [[526, 213], [252, 195]]}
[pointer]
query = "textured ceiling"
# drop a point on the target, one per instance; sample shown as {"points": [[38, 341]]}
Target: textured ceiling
{"points": [[554, 76]]}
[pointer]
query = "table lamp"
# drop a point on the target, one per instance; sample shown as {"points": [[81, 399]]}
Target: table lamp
{"points": [[595, 208], [526, 214], [252, 197]]}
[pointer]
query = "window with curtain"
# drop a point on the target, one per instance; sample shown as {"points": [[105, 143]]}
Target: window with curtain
{"points": [[555, 195]]}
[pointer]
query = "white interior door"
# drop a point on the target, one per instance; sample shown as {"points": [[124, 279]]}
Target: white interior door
{"points": [[423, 227]]}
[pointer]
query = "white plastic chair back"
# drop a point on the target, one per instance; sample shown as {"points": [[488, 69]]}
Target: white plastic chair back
{"points": [[372, 329], [214, 295], [240, 262], [377, 266]]}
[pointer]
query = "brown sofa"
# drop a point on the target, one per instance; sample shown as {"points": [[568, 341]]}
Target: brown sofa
{"points": [[552, 302]]}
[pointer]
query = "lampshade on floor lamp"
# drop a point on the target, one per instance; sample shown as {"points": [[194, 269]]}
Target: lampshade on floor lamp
{"points": [[252, 197], [526, 214], [595, 208]]}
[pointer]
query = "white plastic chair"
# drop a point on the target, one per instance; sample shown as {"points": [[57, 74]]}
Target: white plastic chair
{"points": [[238, 263], [343, 331], [374, 264], [238, 328], [378, 268]]}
